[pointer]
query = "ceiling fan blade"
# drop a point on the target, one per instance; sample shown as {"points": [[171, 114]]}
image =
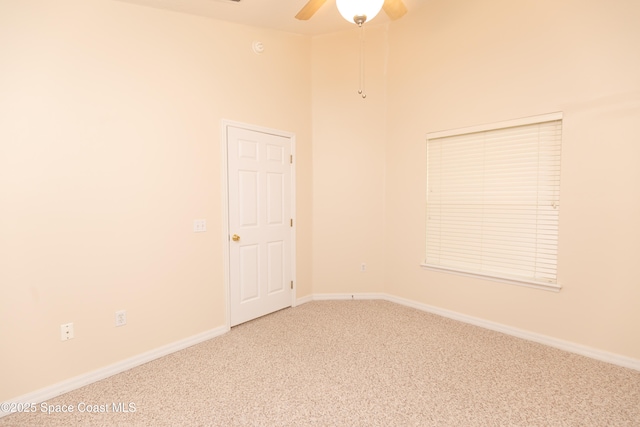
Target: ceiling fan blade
{"points": [[309, 9], [394, 8]]}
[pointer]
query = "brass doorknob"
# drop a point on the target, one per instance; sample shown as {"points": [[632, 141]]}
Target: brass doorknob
{"points": [[235, 237]]}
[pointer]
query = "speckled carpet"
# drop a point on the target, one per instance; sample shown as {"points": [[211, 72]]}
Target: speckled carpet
{"points": [[358, 363]]}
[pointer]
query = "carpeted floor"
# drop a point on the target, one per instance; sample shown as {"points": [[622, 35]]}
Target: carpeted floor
{"points": [[359, 363]]}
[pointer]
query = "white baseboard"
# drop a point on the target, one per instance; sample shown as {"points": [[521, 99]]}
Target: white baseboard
{"points": [[355, 296], [593, 353], [303, 300], [74, 383]]}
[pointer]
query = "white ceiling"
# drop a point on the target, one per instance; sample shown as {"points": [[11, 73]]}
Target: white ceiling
{"points": [[275, 14]]}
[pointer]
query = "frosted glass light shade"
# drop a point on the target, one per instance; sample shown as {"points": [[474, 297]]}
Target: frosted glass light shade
{"points": [[349, 9]]}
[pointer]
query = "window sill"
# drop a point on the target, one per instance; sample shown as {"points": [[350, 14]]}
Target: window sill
{"points": [[512, 281]]}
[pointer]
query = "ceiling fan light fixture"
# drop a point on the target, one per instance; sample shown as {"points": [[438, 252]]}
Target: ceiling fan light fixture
{"points": [[359, 11]]}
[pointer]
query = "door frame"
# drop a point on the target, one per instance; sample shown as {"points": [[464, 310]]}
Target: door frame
{"points": [[226, 124]]}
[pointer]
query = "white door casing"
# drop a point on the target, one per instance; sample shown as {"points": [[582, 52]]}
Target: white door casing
{"points": [[260, 217]]}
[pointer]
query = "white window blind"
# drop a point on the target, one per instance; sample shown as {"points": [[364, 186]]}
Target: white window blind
{"points": [[493, 198]]}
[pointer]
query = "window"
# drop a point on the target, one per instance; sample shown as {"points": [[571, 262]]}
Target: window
{"points": [[493, 198]]}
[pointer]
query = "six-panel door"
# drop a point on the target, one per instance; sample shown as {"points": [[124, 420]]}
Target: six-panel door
{"points": [[259, 216]]}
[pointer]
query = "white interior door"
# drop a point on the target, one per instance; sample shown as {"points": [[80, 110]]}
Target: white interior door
{"points": [[260, 223]]}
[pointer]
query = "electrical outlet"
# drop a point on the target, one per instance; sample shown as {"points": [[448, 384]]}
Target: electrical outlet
{"points": [[121, 318], [363, 267], [66, 331], [199, 225]]}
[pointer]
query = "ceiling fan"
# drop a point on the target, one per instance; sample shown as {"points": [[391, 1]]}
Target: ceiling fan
{"points": [[358, 12], [393, 8]]}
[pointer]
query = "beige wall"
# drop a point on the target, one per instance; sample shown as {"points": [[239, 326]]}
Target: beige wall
{"points": [[110, 147], [348, 162], [458, 63]]}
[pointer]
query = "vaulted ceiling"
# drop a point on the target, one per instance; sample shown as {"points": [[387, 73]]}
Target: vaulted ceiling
{"points": [[275, 14]]}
